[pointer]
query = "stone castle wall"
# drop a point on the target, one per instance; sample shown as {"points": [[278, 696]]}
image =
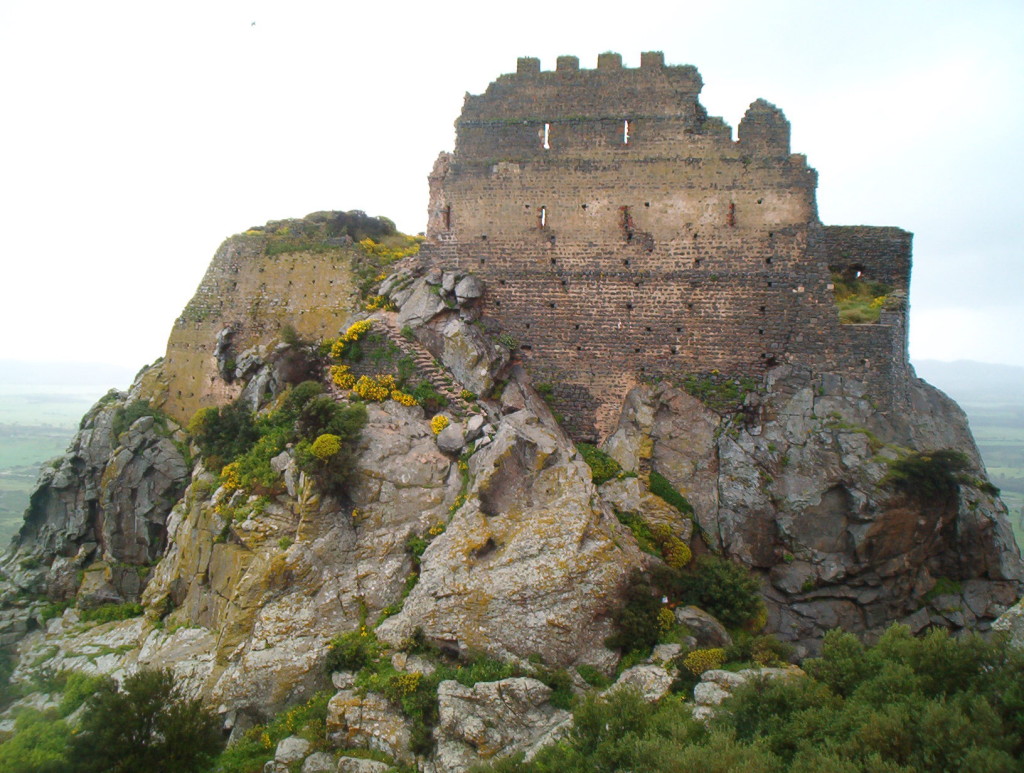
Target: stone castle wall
{"points": [[255, 295], [624, 234]]}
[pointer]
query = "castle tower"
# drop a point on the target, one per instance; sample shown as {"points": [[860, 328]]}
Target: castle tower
{"points": [[623, 234]]}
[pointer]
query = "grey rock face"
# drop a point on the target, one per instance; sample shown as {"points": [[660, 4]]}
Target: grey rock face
{"points": [[795, 488], [651, 681], [529, 564], [493, 719], [368, 722], [109, 495]]}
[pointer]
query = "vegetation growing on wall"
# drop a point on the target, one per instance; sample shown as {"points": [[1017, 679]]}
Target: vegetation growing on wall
{"points": [[860, 301]]}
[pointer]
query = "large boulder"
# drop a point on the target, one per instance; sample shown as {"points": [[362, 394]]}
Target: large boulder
{"points": [[532, 563], [494, 719]]}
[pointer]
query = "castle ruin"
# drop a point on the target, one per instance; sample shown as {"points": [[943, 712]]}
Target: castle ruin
{"points": [[624, 235]]}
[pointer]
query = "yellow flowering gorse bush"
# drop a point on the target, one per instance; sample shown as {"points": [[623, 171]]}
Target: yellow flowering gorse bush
{"points": [[376, 388], [325, 446], [699, 661], [230, 478], [341, 377], [403, 398]]}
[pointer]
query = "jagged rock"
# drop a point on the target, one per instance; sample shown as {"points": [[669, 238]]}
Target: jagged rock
{"points": [[368, 722], [705, 628], [651, 681], [423, 304], [512, 398], [529, 564], [277, 609], [796, 490], [709, 694], [112, 493], [361, 765], [452, 439], [475, 427], [716, 685], [289, 750], [631, 495], [343, 680], [471, 358], [469, 288], [662, 653], [319, 762], [493, 719], [1011, 622]]}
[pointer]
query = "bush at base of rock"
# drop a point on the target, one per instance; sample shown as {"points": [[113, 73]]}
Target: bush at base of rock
{"points": [[699, 661]]}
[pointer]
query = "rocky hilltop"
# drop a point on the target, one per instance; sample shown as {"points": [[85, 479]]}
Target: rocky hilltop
{"points": [[346, 475]]}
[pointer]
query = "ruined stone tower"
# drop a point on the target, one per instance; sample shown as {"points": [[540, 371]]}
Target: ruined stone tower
{"points": [[624, 234]]}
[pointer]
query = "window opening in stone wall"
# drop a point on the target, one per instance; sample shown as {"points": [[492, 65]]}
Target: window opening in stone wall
{"points": [[583, 206], [547, 136], [554, 261], [696, 262], [625, 261], [482, 261], [543, 217], [625, 131], [767, 261], [448, 217], [629, 307], [732, 215], [483, 237]]}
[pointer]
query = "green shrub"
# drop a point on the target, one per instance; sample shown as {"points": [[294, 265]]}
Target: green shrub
{"points": [[352, 651], [676, 553], [725, 589], [660, 486], [149, 725], [108, 613], [127, 415], [636, 619], [928, 475], [641, 531], [39, 744], [251, 752], [593, 677], [602, 467]]}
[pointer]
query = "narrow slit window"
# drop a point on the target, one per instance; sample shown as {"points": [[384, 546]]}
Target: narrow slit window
{"points": [[547, 136], [543, 216], [625, 131], [448, 217]]}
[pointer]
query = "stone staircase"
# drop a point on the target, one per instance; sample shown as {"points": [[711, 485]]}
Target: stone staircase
{"points": [[432, 370]]}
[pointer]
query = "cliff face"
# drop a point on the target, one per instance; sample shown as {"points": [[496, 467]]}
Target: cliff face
{"points": [[796, 482], [489, 536]]}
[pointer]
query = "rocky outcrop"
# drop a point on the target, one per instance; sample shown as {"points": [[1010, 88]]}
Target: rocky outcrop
{"points": [[494, 719], [793, 484], [716, 685], [99, 512], [232, 568], [531, 563]]}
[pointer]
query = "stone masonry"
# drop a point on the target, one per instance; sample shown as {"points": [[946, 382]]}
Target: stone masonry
{"points": [[624, 234]]}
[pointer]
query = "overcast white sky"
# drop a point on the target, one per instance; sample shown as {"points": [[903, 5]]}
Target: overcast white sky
{"points": [[136, 136]]}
